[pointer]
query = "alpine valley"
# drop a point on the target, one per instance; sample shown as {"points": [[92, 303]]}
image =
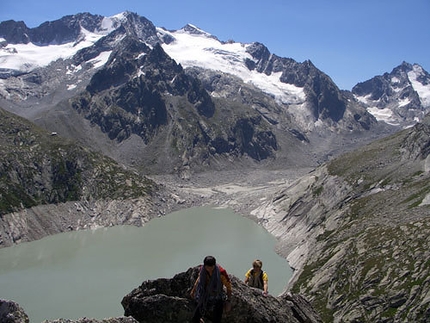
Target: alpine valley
{"points": [[112, 120]]}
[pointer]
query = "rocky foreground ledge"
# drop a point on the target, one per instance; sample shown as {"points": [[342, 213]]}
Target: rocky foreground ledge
{"points": [[11, 312], [167, 301]]}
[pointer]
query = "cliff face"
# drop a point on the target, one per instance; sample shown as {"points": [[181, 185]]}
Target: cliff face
{"points": [[50, 185], [40, 221], [357, 231]]}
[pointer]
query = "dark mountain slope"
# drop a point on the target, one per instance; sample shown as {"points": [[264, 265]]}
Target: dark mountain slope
{"points": [[42, 168], [142, 92]]}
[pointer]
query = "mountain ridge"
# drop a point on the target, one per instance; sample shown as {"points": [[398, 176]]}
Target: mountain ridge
{"points": [[318, 107], [74, 26]]}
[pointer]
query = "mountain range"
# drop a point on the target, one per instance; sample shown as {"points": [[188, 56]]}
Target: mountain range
{"points": [[117, 83], [87, 93]]}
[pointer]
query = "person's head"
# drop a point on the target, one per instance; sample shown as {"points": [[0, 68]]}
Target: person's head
{"points": [[257, 264], [209, 262]]}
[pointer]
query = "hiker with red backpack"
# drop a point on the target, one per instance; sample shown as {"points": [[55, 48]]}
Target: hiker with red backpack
{"points": [[256, 277], [208, 290]]}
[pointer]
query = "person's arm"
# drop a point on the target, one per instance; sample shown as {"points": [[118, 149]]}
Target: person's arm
{"points": [[225, 280], [227, 283], [247, 275], [265, 287], [265, 284]]}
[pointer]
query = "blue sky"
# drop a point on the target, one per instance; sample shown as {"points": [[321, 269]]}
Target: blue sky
{"points": [[350, 40]]}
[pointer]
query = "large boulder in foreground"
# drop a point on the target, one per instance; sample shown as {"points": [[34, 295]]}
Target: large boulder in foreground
{"points": [[11, 312], [167, 300], [89, 320]]}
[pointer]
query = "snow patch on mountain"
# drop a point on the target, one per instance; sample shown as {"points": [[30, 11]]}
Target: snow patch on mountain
{"points": [[101, 59], [97, 62], [193, 47], [381, 114], [109, 24], [27, 57], [423, 90], [386, 115]]}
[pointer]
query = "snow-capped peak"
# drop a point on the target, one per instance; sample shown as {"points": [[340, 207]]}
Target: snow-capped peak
{"points": [[192, 29], [193, 47], [392, 96]]}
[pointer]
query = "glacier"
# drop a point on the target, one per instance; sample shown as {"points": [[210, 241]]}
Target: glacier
{"points": [[200, 49]]}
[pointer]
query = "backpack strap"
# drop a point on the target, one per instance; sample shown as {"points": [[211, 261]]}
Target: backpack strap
{"points": [[261, 277]]}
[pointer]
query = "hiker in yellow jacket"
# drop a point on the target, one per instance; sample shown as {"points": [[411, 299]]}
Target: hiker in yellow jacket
{"points": [[256, 277]]}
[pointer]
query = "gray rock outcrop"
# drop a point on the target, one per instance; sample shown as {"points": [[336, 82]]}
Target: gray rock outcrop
{"points": [[167, 300], [11, 312], [89, 320]]}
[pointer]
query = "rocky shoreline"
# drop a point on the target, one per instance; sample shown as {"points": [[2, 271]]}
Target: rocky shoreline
{"points": [[242, 192]]}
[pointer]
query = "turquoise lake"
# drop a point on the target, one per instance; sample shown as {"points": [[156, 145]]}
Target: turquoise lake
{"points": [[87, 273]]}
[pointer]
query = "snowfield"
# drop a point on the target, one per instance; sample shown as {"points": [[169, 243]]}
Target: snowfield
{"points": [[201, 49], [27, 57]]}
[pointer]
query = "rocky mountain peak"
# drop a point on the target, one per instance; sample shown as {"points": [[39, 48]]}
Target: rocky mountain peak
{"points": [[138, 26], [15, 32], [260, 55], [191, 29], [400, 97], [405, 66], [61, 31], [70, 28], [64, 30]]}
